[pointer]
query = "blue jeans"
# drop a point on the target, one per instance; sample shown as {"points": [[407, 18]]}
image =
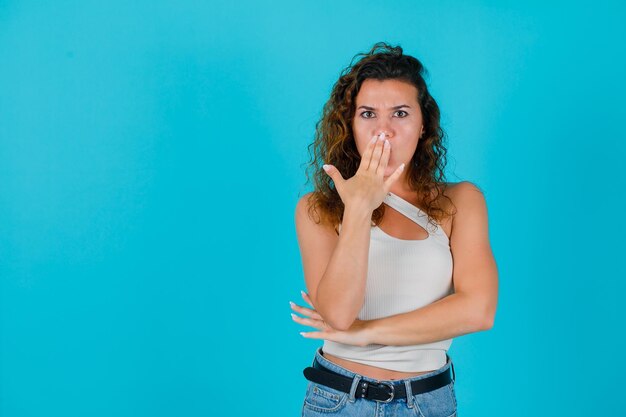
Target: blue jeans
{"points": [[321, 400]]}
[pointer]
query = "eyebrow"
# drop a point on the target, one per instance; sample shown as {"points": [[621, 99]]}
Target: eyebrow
{"points": [[393, 108]]}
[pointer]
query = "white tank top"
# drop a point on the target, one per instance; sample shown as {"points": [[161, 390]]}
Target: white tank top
{"points": [[403, 275]]}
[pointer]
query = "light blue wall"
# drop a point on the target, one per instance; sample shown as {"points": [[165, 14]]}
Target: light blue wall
{"points": [[151, 156]]}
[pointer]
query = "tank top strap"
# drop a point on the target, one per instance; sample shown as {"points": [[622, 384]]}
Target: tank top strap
{"points": [[409, 210]]}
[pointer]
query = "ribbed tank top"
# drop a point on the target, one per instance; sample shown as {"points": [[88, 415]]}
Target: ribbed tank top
{"points": [[403, 275]]}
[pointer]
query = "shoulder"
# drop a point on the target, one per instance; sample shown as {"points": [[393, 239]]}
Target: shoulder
{"points": [[304, 201], [469, 201], [303, 205], [462, 191], [456, 194], [314, 235], [308, 216]]}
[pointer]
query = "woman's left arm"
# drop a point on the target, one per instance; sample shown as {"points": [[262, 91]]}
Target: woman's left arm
{"points": [[471, 308]]}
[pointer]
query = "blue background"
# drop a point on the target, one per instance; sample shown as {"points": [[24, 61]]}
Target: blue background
{"points": [[151, 156]]}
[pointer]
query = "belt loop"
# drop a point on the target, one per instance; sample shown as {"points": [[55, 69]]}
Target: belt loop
{"points": [[409, 393], [355, 384], [453, 373], [449, 359], [315, 357]]}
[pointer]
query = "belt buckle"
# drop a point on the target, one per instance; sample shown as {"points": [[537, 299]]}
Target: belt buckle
{"points": [[390, 385]]}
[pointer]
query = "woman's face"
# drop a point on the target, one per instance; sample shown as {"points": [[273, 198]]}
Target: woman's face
{"points": [[388, 106]]}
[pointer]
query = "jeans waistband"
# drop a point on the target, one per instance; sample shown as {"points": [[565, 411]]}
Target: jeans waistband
{"points": [[343, 371]]}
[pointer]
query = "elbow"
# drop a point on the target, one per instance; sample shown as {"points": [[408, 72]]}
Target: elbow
{"points": [[339, 309], [337, 321], [341, 325], [486, 320], [337, 318], [486, 323], [484, 314]]}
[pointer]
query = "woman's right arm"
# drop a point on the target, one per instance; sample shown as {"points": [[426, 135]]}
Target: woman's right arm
{"points": [[335, 267]]}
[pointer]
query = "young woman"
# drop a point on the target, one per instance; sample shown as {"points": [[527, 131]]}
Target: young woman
{"points": [[397, 262]]}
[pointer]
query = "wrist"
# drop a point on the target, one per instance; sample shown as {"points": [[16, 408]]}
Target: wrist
{"points": [[368, 329], [357, 213]]}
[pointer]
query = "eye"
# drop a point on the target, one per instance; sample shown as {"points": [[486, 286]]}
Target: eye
{"points": [[365, 112], [402, 111]]}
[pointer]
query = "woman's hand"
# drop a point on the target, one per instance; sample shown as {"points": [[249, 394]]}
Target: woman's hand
{"points": [[367, 187], [357, 334]]}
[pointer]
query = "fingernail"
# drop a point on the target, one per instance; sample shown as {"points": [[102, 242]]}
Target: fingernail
{"points": [[325, 167], [402, 166], [291, 303], [386, 143], [374, 139], [302, 333], [293, 316], [302, 292]]}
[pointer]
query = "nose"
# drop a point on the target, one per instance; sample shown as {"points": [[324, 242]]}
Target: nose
{"points": [[385, 128], [388, 133]]}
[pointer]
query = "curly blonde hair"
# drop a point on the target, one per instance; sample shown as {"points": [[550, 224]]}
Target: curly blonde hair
{"points": [[334, 140]]}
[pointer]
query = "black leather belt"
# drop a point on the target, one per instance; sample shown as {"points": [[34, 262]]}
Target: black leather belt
{"points": [[380, 391]]}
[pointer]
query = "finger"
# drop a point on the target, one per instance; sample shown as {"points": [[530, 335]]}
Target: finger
{"points": [[384, 160], [307, 298], [318, 324], [334, 174], [367, 155], [306, 311], [315, 335], [322, 335], [393, 177], [378, 150]]}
